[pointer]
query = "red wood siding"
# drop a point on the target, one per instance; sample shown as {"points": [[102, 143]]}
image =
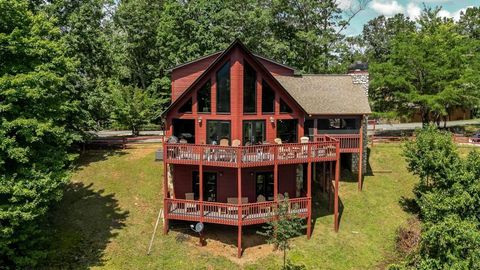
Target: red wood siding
{"points": [[227, 183], [236, 116], [184, 76]]}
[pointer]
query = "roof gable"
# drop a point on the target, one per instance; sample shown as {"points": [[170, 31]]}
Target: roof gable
{"points": [[220, 59]]}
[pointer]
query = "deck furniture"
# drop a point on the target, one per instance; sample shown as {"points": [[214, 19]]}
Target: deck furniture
{"points": [[190, 205]]}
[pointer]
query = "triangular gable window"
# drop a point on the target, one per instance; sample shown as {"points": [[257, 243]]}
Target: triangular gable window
{"points": [[284, 108], [187, 107]]}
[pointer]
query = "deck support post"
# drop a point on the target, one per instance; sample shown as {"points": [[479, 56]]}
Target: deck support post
{"points": [[165, 192], [360, 157], [200, 189], [275, 182], [309, 198], [337, 179], [324, 183], [239, 191]]}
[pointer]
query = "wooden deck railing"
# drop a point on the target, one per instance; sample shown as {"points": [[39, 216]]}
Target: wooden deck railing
{"points": [[250, 156], [227, 214], [349, 143]]}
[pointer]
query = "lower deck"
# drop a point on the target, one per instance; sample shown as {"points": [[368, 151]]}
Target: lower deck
{"points": [[232, 214]]}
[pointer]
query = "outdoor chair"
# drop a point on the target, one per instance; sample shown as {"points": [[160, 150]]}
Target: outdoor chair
{"points": [[224, 142], [236, 143], [263, 208], [189, 206]]}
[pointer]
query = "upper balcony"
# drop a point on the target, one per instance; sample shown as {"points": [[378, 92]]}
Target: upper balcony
{"points": [[324, 149], [349, 143]]}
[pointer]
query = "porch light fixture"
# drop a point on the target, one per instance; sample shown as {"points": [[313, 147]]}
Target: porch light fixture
{"points": [[272, 120], [200, 119]]}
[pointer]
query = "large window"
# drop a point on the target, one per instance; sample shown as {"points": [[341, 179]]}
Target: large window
{"points": [[287, 130], [217, 130], [184, 129], [268, 98], [223, 89], [264, 185], [308, 129], [253, 132], [204, 98], [249, 89], [209, 186]]}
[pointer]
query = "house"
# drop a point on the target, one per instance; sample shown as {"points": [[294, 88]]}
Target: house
{"points": [[245, 131]]}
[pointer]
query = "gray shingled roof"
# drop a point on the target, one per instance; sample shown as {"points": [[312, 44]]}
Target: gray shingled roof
{"points": [[327, 94]]}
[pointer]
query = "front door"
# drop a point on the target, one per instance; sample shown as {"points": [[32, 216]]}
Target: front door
{"points": [[209, 186]]}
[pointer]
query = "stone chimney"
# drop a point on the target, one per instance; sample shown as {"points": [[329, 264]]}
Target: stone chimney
{"points": [[359, 73]]}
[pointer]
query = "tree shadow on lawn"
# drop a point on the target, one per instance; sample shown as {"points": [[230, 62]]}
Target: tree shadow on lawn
{"points": [[82, 225], [92, 156]]}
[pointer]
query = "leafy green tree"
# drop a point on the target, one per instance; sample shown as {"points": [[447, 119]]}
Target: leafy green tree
{"points": [[449, 202], [429, 70], [469, 23], [379, 32], [133, 107], [432, 156], [39, 121], [281, 229]]}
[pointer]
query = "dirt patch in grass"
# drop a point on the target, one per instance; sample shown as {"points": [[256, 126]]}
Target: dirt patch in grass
{"points": [[222, 241]]}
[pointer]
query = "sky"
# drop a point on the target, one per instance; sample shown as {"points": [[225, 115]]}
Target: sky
{"points": [[411, 8]]}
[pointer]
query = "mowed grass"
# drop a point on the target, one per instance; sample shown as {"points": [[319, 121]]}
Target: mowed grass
{"points": [[107, 216]]}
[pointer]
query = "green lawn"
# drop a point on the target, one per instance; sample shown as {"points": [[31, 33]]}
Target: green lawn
{"points": [[107, 216]]}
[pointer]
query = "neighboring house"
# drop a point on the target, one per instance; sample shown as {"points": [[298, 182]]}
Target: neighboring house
{"points": [[244, 130]]}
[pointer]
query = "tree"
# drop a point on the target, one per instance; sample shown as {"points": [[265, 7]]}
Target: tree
{"points": [[133, 107], [449, 202], [432, 156], [469, 23], [429, 70], [379, 32], [39, 121], [308, 34], [281, 229]]}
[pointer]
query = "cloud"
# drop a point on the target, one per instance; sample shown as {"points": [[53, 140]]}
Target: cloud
{"points": [[344, 4], [455, 15], [387, 8], [413, 11]]}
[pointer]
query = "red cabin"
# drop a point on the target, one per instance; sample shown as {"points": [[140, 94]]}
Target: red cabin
{"points": [[245, 132]]}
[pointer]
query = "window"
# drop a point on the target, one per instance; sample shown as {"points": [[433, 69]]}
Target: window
{"points": [[268, 98], [223, 89], [209, 186], [184, 129], [253, 132], [264, 185], [204, 98], [338, 123], [187, 107], [249, 89], [284, 108], [287, 130], [217, 130], [308, 129]]}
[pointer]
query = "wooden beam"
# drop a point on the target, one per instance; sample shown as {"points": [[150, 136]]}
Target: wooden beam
{"points": [[239, 202], [165, 192], [275, 181], [200, 189], [309, 196], [360, 157], [337, 179]]}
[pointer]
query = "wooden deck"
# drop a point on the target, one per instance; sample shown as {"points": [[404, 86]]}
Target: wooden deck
{"points": [[349, 143], [251, 156], [228, 214]]}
